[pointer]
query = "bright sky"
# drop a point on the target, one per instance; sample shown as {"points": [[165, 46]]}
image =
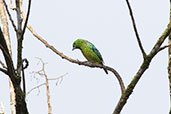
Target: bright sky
{"points": [[107, 24]]}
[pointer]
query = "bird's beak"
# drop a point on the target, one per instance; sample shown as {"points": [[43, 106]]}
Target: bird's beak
{"points": [[73, 48]]}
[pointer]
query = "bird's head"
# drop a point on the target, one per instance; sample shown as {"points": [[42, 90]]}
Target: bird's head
{"points": [[77, 44]]}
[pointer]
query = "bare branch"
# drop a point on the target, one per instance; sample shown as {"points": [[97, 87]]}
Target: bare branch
{"points": [[8, 42], [3, 65], [169, 61], [49, 79], [5, 26], [58, 77], [135, 29], [144, 66], [2, 108], [92, 65], [36, 87], [43, 73], [21, 107], [4, 71], [19, 36], [12, 97], [10, 17], [8, 61], [20, 100], [47, 92], [23, 74], [79, 62], [164, 47], [27, 17], [47, 86]]}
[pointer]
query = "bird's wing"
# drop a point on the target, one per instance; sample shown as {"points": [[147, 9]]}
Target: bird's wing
{"points": [[95, 50]]}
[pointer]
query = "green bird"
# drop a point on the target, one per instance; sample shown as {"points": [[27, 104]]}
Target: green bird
{"points": [[89, 51]]}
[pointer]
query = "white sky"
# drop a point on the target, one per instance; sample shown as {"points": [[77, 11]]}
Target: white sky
{"points": [[107, 24]]}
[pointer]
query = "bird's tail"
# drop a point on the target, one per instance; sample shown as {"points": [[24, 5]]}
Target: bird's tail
{"points": [[106, 71]]}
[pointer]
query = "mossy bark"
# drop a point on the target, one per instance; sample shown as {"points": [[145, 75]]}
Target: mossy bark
{"points": [[144, 66]]}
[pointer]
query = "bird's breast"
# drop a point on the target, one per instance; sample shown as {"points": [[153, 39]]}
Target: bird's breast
{"points": [[91, 56]]}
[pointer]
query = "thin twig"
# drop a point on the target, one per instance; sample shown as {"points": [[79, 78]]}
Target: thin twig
{"points": [[23, 75], [43, 73], [47, 90], [3, 65], [27, 17], [58, 77], [49, 79], [35, 88], [10, 17], [5, 26], [135, 29], [4, 71], [24, 82], [164, 47], [47, 86]]}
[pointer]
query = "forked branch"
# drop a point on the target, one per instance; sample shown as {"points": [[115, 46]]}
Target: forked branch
{"points": [[144, 66]]}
